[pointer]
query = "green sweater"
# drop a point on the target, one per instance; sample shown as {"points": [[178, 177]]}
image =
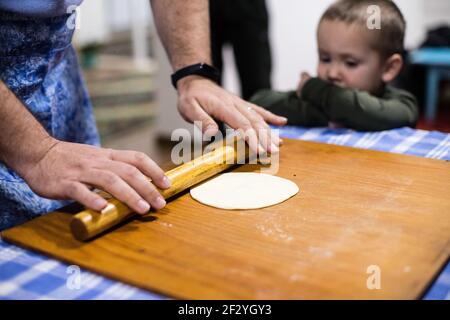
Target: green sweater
{"points": [[322, 102]]}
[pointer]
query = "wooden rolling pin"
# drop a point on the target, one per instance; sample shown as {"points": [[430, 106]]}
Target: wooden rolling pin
{"points": [[89, 223]]}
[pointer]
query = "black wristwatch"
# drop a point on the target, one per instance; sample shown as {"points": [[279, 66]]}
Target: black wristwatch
{"points": [[200, 69]]}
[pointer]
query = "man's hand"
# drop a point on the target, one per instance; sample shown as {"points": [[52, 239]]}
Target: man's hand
{"points": [[202, 100], [63, 170], [70, 171], [304, 77], [183, 27]]}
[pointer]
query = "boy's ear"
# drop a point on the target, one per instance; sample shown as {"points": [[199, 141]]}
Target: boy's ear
{"points": [[392, 67]]}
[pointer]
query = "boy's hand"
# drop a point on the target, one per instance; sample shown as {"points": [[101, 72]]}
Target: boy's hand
{"points": [[304, 77], [335, 125]]}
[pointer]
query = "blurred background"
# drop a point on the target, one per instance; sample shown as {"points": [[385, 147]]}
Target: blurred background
{"points": [[127, 72]]}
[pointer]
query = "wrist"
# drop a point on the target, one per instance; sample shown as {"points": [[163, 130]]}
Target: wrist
{"points": [[202, 70], [24, 141], [30, 156], [184, 83]]}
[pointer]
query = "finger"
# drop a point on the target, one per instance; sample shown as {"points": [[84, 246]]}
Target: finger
{"points": [[195, 112], [118, 188], [144, 163], [229, 114], [238, 121], [81, 193], [252, 140], [269, 117], [259, 125], [140, 183], [272, 138], [276, 139]]}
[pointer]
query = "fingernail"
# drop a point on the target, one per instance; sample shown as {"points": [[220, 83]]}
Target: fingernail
{"points": [[274, 149], [143, 206], [159, 203], [264, 160], [100, 204], [166, 183], [210, 131], [261, 149]]}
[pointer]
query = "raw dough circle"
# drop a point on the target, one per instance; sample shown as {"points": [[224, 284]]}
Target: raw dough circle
{"points": [[244, 190]]}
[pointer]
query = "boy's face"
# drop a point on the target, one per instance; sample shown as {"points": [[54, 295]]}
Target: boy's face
{"points": [[346, 57]]}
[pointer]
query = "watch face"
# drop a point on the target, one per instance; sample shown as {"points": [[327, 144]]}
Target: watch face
{"points": [[210, 69]]}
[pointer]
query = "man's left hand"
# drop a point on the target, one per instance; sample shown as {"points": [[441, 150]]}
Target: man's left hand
{"points": [[202, 100]]}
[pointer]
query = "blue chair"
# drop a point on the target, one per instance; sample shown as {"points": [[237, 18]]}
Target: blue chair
{"points": [[437, 63]]}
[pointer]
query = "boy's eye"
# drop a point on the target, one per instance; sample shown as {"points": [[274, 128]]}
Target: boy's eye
{"points": [[351, 64], [325, 59]]}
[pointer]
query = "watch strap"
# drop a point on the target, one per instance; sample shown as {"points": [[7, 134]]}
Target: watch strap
{"points": [[200, 69]]}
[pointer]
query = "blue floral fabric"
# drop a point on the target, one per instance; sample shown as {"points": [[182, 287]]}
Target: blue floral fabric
{"points": [[39, 8], [39, 64]]}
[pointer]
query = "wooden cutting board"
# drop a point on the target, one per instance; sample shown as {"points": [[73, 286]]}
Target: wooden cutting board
{"points": [[358, 213]]}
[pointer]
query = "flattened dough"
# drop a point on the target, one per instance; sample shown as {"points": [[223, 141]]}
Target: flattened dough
{"points": [[244, 190]]}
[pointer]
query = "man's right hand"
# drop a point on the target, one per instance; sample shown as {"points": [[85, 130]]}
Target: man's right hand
{"points": [[61, 170], [70, 171]]}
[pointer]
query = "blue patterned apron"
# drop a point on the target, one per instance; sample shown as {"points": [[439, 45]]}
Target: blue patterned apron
{"points": [[39, 64]]}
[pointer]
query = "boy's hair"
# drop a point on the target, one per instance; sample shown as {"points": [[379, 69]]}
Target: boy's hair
{"points": [[389, 39]]}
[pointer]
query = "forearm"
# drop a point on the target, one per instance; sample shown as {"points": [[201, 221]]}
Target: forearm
{"points": [[23, 140], [360, 110], [183, 27]]}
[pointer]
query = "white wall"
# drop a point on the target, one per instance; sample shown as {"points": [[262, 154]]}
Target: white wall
{"points": [[121, 12], [99, 18], [414, 12], [93, 25], [293, 38], [437, 12]]}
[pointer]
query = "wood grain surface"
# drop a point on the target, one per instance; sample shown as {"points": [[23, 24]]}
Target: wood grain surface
{"points": [[356, 209]]}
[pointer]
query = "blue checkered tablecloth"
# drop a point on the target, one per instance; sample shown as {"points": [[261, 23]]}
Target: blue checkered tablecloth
{"points": [[27, 275]]}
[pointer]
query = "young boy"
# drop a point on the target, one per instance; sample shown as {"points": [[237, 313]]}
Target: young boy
{"points": [[355, 64]]}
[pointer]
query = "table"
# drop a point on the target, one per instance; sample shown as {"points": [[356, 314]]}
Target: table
{"points": [[26, 275]]}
